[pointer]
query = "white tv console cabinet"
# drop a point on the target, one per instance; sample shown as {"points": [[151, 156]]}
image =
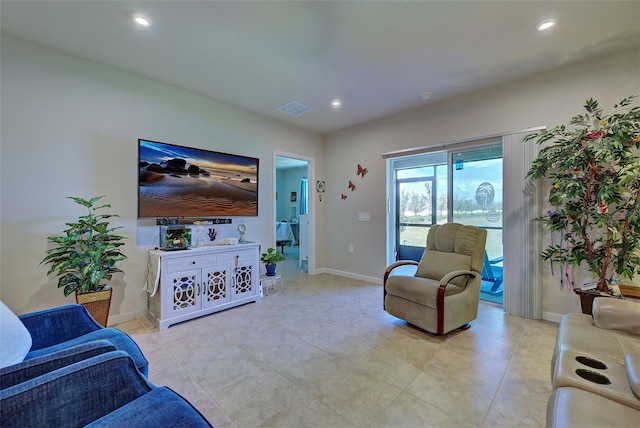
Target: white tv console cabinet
{"points": [[201, 281]]}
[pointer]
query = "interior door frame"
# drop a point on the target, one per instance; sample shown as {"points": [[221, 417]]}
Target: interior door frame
{"points": [[311, 177]]}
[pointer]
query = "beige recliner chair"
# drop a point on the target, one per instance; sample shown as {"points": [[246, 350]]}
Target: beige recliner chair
{"points": [[444, 292]]}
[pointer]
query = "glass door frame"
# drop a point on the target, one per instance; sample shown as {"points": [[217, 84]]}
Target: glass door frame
{"points": [[399, 224], [450, 154], [392, 189]]}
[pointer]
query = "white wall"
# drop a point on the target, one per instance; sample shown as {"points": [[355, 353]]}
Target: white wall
{"points": [[545, 99], [70, 128]]}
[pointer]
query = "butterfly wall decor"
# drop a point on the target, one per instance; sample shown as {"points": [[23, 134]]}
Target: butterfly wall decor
{"points": [[352, 186], [343, 196], [362, 171]]}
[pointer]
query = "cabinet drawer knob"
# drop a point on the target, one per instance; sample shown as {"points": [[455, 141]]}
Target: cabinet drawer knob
{"points": [[193, 262]]}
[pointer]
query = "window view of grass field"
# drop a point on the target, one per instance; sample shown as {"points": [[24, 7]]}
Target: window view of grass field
{"points": [[416, 208]]}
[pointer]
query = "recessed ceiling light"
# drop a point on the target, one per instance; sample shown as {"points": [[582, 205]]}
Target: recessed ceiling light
{"points": [[426, 95], [141, 20], [336, 103], [545, 25]]}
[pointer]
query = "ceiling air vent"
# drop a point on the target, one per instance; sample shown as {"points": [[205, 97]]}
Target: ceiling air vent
{"points": [[294, 108]]}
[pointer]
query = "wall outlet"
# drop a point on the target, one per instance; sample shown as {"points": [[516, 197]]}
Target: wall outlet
{"points": [[350, 248]]}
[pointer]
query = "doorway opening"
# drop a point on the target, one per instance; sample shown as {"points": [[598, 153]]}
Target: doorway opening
{"points": [[293, 209]]}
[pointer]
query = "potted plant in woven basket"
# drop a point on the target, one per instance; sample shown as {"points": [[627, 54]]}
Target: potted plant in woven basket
{"points": [[591, 166], [84, 258]]}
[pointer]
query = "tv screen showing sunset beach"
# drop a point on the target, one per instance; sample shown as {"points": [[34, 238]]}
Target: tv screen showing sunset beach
{"points": [[177, 181]]}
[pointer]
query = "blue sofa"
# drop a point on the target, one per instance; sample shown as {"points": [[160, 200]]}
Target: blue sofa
{"points": [[106, 390], [63, 327], [38, 366]]}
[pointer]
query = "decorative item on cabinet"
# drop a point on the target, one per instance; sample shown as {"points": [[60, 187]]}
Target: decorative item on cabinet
{"points": [[242, 229], [212, 234]]}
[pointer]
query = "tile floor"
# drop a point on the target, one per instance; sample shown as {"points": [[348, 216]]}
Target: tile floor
{"points": [[325, 354]]}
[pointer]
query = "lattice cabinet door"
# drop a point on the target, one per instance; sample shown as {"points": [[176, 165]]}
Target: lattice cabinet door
{"points": [[245, 276], [216, 286], [185, 292]]}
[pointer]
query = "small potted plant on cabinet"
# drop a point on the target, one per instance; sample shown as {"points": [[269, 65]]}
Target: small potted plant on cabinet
{"points": [[85, 256], [592, 168], [270, 260]]}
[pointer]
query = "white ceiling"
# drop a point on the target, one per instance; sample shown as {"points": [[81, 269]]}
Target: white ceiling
{"points": [[376, 56]]}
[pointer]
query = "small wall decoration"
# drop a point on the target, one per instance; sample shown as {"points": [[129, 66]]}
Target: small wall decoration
{"points": [[352, 186], [362, 171], [320, 186], [294, 196], [343, 196], [485, 194], [459, 163]]}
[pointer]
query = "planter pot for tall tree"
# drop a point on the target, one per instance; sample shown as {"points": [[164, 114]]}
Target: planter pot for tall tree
{"points": [[587, 297], [97, 303], [586, 300]]}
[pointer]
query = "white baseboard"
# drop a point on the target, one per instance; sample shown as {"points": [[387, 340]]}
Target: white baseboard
{"points": [[120, 318], [551, 316], [372, 279]]}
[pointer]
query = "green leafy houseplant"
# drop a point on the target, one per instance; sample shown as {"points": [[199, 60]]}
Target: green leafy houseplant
{"points": [[85, 256], [271, 257], [592, 166]]}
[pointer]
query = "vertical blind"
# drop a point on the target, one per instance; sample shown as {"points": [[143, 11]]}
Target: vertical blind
{"points": [[304, 208], [521, 204]]}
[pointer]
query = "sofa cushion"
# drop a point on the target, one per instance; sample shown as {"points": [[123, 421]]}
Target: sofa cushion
{"points": [[75, 395], [571, 407], [571, 371], [419, 290], [577, 333], [436, 265], [614, 314], [156, 408], [119, 339], [34, 367], [16, 340]]}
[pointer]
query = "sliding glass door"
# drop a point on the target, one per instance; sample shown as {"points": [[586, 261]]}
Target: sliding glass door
{"points": [[464, 186], [476, 190]]}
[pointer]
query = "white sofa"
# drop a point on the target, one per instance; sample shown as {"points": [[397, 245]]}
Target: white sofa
{"points": [[595, 368]]}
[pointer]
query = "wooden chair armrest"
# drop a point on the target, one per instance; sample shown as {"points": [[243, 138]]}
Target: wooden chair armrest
{"points": [[394, 265], [455, 274]]}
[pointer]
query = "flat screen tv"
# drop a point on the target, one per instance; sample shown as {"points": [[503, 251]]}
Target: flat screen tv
{"points": [[177, 181]]}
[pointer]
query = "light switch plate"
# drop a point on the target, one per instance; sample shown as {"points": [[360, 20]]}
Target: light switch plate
{"points": [[364, 216]]}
